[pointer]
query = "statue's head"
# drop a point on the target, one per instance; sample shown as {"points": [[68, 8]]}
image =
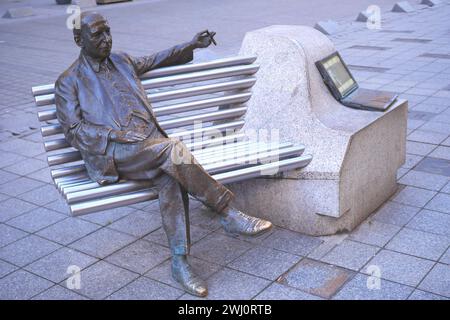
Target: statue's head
{"points": [[93, 36]]}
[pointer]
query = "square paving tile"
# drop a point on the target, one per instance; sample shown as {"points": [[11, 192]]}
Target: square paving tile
{"points": [[107, 217], [420, 244], [424, 180], [411, 161], [9, 234], [374, 233], [146, 289], [395, 213], [441, 152], [6, 268], [316, 278], [292, 242], [422, 295], [446, 189], [163, 272], [445, 257], [7, 176], [68, 230], [58, 292], [358, 289], [418, 148], [42, 196], [137, 223], [399, 267], [278, 291], [431, 221], [204, 218], [218, 248], [441, 202], [414, 196], [427, 137], [14, 207], [27, 250], [25, 167], [55, 266], [159, 236], [22, 285], [433, 165], [140, 256], [19, 186], [102, 279], [438, 280], [36, 219], [351, 255], [102, 243], [264, 262], [229, 284]]}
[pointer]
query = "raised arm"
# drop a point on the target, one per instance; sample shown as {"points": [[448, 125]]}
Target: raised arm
{"points": [[176, 55]]}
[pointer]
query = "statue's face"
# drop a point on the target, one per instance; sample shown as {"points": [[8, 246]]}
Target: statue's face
{"points": [[96, 38]]}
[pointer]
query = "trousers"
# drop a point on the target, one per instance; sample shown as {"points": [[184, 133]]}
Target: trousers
{"points": [[175, 173]]}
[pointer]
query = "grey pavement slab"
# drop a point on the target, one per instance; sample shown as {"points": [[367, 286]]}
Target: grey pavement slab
{"points": [[218, 248], [278, 291], [27, 250], [420, 244], [36, 219], [395, 213], [441, 202], [265, 262], [358, 289], [102, 243], [204, 218], [411, 159], [445, 257], [427, 136], [423, 295], [446, 189], [159, 236], [68, 230], [59, 205], [9, 234], [6, 176], [414, 196], [163, 273], [418, 148], [431, 221], [399, 267], [57, 265], [438, 280], [146, 289], [22, 285], [6, 268], [102, 279], [137, 223], [350, 254], [424, 180], [140, 256], [58, 292], [374, 233], [292, 242], [434, 165], [14, 207], [316, 278], [229, 284], [107, 217], [42, 196], [20, 186], [25, 167]]}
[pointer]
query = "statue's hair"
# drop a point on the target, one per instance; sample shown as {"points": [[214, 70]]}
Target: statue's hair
{"points": [[80, 20]]}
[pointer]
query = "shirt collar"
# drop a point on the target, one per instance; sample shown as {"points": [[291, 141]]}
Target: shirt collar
{"points": [[95, 64]]}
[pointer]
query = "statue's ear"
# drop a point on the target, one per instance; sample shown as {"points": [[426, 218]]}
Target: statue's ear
{"points": [[78, 38]]}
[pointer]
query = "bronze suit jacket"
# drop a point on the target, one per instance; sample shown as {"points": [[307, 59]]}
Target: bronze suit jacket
{"points": [[84, 109]]}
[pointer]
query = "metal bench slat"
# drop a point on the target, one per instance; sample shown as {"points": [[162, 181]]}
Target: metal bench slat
{"points": [[241, 84], [129, 186], [151, 194], [218, 63], [175, 108], [200, 76]]}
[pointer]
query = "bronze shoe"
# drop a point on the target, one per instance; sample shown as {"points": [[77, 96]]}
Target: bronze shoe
{"points": [[183, 273], [237, 222]]}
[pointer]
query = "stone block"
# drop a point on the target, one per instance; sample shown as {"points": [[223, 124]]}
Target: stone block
{"points": [[356, 153], [403, 6], [19, 12], [328, 27]]}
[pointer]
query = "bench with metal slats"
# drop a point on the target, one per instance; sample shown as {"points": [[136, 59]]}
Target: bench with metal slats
{"points": [[212, 93]]}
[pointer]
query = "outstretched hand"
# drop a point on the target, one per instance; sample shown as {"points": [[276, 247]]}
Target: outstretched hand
{"points": [[126, 136], [203, 39]]}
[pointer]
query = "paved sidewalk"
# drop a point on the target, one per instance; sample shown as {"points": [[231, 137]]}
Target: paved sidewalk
{"points": [[123, 253]]}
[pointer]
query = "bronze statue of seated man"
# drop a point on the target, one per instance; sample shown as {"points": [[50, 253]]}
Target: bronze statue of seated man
{"points": [[104, 112]]}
